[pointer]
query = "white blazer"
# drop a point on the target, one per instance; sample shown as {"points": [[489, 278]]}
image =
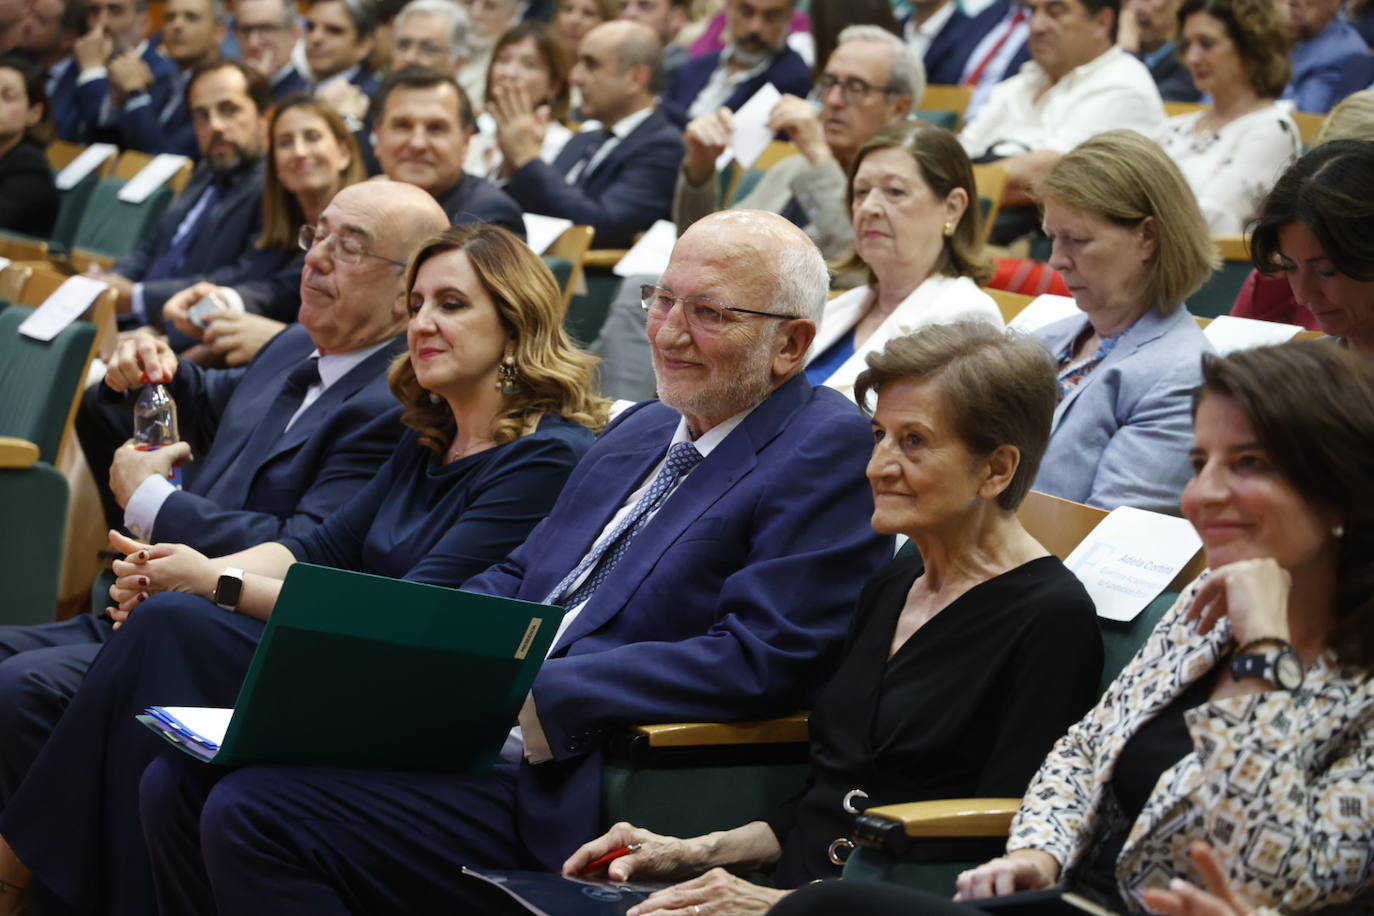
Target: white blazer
{"points": [[938, 300]]}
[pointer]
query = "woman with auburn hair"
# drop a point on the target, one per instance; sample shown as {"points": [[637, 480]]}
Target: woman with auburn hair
{"points": [[1131, 244], [914, 206], [311, 154], [1232, 151], [527, 83], [1243, 723], [500, 406]]}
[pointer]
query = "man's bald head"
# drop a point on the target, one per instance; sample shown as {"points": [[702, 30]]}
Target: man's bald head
{"points": [[353, 284], [775, 253], [406, 214], [619, 70], [735, 314]]}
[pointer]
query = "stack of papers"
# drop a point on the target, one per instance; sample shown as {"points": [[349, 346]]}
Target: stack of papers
{"points": [[198, 729]]}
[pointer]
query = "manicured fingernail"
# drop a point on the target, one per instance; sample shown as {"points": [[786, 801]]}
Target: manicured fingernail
{"points": [[143, 554], [142, 580], [142, 597]]}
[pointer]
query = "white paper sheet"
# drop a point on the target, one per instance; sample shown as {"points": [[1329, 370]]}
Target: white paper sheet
{"points": [[1229, 333], [4, 262], [64, 306], [206, 722], [88, 161], [650, 254], [151, 177], [751, 135], [1044, 310], [542, 231], [1130, 557]]}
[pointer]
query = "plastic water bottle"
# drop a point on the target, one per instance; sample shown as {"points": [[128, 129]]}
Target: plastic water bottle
{"points": [[155, 424]]}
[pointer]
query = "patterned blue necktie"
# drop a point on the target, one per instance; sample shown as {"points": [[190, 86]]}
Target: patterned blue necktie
{"points": [[605, 555]]}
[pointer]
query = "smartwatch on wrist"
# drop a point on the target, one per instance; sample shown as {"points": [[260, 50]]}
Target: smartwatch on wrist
{"points": [[1280, 665], [229, 589]]}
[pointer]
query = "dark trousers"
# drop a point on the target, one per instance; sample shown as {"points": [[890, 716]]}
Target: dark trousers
{"points": [[41, 668], [74, 819], [101, 427], [279, 839]]}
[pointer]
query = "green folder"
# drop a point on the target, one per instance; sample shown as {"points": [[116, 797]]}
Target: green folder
{"points": [[362, 671]]}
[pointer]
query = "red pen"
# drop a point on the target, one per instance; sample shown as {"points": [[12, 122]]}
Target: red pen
{"points": [[601, 862]]}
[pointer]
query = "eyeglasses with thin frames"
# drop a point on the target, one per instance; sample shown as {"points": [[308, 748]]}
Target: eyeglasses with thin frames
{"points": [[344, 250], [853, 89], [701, 313]]}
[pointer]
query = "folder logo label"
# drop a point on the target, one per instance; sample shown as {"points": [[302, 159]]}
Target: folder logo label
{"points": [[528, 639]]}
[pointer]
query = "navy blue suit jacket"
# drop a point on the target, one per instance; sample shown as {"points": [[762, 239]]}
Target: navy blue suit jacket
{"points": [[474, 199], [629, 190], [232, 499], [70, 121], [1173, 79], [948, 53], [788, 73], [730, 604], [163, 124], [225, 233], [292, 82], [950, 59]]}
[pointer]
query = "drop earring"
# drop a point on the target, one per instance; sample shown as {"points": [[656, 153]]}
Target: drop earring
{"points": [[507, 376]]}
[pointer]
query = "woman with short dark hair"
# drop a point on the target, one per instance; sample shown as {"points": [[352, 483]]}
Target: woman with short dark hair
{"points": [[1317, 228], [28, 196], [962, 660]]}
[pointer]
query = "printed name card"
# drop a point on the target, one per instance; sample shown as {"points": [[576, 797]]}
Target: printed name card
{"points": [[151, 177], [751, 135], [4, 262], [65, 305], [88, 161], [650, 254], [1130, 558], [1229, 333], [1044, 310], [542, 231]]}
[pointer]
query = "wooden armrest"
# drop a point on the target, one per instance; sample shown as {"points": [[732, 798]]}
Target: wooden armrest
{"points": [[603, 257], [952, 817], [787, 730], [17, 453]]}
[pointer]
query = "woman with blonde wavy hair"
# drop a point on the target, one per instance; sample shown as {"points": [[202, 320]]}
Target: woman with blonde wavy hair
{"points": [[500, 407]]}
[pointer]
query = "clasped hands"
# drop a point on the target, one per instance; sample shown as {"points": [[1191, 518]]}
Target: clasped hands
{"points": [[150, 568], [717, 892]]}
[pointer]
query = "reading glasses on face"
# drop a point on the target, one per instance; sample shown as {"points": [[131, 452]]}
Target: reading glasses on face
{"points": [[700, 312], [345, 250], [854, 90]]}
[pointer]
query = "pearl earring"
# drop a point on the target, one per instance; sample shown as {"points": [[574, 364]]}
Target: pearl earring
{"points": [[1338, 531]]}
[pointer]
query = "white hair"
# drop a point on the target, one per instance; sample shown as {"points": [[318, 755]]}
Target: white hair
{"points": [[803, 282], [907, 73], [459, 25]]}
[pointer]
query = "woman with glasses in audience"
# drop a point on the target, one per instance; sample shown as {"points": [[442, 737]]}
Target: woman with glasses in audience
{"points": [[311, 155], [1131, 245], [527, 102], [1244, 720], [916, 233], [1317, 229], [500, 406], [1232, 151], [28, 196], [963, 662]]}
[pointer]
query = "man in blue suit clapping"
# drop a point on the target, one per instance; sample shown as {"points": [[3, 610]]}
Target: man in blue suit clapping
{"points": [[708, 548]]}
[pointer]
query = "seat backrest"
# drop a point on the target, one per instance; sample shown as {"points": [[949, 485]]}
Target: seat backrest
{"points": [[71, 207], [947, 98], [1058, 524], [990, 179], [1218, 294], [13, 280], [1122, 639], [115, 227], [39, 286], [131, 162], [1010, 304], [572, 246], [22, 247], [41, 379]]}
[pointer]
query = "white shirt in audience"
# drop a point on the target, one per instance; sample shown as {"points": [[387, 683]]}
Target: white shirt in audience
{"points": [[484, 154], [1232, 169], [723, 82], [1113, 91], [919, 37], [938, 300]]}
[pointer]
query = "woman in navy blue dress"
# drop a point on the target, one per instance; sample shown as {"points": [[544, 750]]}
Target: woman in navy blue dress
{"points": [[500, 406]]}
